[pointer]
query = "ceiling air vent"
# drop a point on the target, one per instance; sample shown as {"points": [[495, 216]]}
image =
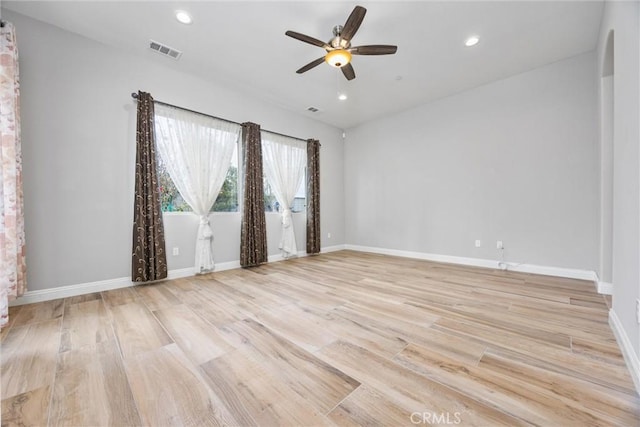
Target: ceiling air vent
{"points": [[163, 49], [313, 109]]}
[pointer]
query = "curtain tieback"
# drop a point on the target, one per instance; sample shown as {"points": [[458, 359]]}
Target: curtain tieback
{"points": [[286, 218], [207, 232]]}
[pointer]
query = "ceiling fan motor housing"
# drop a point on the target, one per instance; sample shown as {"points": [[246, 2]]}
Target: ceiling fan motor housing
{"points": [[338, 42]]}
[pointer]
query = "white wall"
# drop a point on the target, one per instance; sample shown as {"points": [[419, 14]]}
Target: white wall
{"points": [[624, 19], [515, 160], [78, 138]]}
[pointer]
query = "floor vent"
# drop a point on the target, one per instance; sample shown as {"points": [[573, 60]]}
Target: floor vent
{"points": [[313, 109], [163, 49]]}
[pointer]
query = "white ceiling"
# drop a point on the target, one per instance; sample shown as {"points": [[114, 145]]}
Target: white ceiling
{"points": [[242, 44]]}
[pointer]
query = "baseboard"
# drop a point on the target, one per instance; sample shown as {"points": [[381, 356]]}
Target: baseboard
{"points": [[605, 288], [335, 248], [123, 282], [178, 273], [222, 266], [630, 356], [279, 257], [31, 297], [478, 262]]}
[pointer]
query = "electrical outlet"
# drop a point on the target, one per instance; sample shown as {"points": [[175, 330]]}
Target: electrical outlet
{"points": [[328, 235], [478, 243], [176, 251], [499, 245]]}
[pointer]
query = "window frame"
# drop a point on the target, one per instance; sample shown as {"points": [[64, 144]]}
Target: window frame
{"points": [[238, 194]]}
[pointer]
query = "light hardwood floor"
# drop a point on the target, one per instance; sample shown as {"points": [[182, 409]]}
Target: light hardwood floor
{"points": [[344, 338]]}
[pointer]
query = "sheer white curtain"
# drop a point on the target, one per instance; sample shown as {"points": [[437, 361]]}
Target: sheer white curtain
{"points": [[197, 151], [284, 161]]}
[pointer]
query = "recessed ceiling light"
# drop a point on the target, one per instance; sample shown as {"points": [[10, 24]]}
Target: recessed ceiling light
{"points": [[471, 41], [183, 17], [342, 96]]}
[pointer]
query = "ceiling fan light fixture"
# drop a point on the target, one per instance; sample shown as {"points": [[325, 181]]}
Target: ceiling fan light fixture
{"points": [[338, 58]]}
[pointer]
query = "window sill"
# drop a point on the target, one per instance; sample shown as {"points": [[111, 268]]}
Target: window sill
{"points": [[191, 213], [227, 213]]}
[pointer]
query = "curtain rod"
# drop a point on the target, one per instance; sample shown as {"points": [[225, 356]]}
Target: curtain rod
{"points": [[135, 96]]}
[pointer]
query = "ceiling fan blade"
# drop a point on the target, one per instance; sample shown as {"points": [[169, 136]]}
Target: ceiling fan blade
{"points": [[353, 22], [348, 72], [374, 49], [307, 39], [310, 65]]}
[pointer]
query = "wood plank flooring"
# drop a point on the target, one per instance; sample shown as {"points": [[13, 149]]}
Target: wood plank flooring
{"points": [[344, 338]]}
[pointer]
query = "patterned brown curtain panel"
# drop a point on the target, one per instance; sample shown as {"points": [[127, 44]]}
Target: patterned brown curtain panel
{"points": [[149, 261], [313, 196], [253, 234]]}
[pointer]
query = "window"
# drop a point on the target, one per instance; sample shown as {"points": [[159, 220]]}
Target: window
{"points": [[284, 155], [299, 202], [270, 202], [227, 200], [172, 201]]}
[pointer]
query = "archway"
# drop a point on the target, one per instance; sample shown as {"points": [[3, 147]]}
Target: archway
{"points": [[607, 82]]}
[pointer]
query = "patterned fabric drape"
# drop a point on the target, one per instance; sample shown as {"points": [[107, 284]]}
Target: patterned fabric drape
{"points": [[149, 260], [13, 268], [253, 235], [313, 196]]}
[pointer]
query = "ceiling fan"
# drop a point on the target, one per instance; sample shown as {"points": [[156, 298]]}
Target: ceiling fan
{"points": [[339, 49]]}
